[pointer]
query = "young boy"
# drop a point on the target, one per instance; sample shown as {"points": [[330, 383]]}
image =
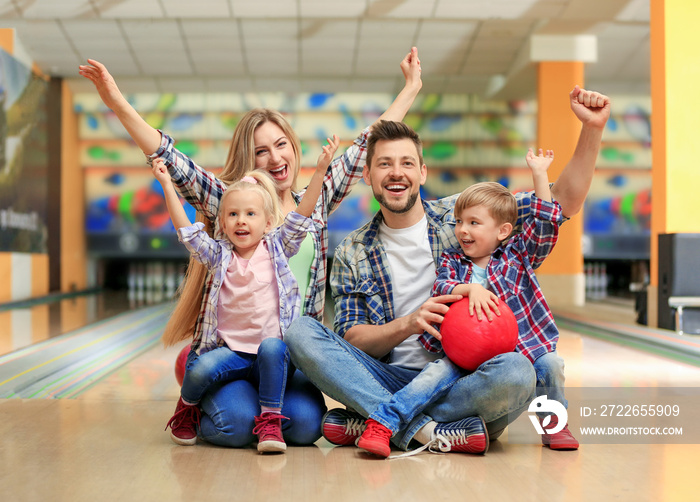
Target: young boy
{"points": [[485, 215]]}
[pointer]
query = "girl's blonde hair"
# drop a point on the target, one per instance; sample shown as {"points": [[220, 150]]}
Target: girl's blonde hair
{"points": [[494, 196], [264, 186], [240, 159]]}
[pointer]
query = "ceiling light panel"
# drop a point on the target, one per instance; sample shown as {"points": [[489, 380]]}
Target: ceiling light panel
{"points": [[328, 47], [280, 9], [478, 9], [215, 47], [131, 9], [96, 40], [401, 8], [332, 10], [43, 9], [395, 39], [39, 36], [443, 46], [196, 9], [271, 46], [157, 46]]}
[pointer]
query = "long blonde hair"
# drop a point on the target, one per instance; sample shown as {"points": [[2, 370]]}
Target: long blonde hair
{"points": [[240, 159]]}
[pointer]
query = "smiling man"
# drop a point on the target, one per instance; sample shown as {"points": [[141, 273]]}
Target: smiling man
{"points": [[381, 282]]}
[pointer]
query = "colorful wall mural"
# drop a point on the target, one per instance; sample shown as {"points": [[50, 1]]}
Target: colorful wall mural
{"points": [[465, 140], [23, 158]]}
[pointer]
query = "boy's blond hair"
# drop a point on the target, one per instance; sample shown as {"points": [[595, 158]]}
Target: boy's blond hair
{"points": [[495, 197]]}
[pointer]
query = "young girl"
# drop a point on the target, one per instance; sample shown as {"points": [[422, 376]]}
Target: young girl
{"points": [[253, 298]]}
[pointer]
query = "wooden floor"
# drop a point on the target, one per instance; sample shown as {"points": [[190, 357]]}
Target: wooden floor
{"points": [[108, 444]]}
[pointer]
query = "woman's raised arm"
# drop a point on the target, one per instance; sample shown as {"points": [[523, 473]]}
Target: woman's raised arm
{"points": [[146, 137]]}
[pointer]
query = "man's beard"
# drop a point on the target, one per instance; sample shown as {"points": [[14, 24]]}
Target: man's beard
{"points": [[393, 207]]}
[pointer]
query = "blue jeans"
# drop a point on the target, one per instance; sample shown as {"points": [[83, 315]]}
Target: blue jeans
{"points": [[549, 369], [498, 391], [228, 412], [433, 382], [267, 370]]}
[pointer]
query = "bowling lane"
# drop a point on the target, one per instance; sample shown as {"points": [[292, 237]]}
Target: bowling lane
{"points": [[26, 323]]}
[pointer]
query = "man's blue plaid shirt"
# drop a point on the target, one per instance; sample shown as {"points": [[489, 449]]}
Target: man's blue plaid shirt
{"points": [[360, 279]]}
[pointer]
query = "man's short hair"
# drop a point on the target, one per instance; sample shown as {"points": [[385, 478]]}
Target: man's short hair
{"points": [[495, 197], [392, 131]]}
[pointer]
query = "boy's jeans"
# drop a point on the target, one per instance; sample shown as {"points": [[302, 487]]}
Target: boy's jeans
{"points": [[433, 382], [549, 370]]}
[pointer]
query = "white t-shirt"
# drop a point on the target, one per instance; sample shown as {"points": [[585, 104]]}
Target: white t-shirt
{"points": [[412, 278]]}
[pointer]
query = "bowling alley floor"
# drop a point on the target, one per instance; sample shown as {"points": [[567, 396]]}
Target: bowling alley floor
{"points": [[106, 442]]}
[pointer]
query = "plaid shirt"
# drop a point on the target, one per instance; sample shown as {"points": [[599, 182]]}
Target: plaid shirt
{"points": [[282, 243], [203, 191], [511, 276], [361, 279]]}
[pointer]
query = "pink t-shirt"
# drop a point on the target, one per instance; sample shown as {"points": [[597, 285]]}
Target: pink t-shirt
{"points": [[248, 309]]}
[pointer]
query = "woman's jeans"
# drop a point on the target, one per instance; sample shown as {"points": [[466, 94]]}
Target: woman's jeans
{"points": [[230, 390], [498, 391]]}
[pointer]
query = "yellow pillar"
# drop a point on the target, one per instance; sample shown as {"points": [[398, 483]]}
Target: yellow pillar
{"points": [[675, 123]]}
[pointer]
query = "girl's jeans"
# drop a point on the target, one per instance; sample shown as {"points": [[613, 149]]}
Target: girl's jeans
{"points": [[268, 371]]}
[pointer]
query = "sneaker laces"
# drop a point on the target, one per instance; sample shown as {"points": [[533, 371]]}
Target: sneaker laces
{"points": [[444, 442], [264, 424], [354, 426], [440, 444], [186, 413]]}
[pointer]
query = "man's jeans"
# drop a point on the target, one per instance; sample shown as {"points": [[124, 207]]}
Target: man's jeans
{"points": [[498, 391]]}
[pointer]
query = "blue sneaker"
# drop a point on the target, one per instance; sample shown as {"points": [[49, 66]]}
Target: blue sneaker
{"points": [[463, 436], [342, 427]]}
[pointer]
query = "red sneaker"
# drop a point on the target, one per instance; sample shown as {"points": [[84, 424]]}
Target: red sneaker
{"points": [[183, 424], [268, 428], [375, 439], [562, 440]]}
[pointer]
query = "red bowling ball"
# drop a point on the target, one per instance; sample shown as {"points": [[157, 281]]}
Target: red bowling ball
{"points": [[469, 342], [180, 364]]}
